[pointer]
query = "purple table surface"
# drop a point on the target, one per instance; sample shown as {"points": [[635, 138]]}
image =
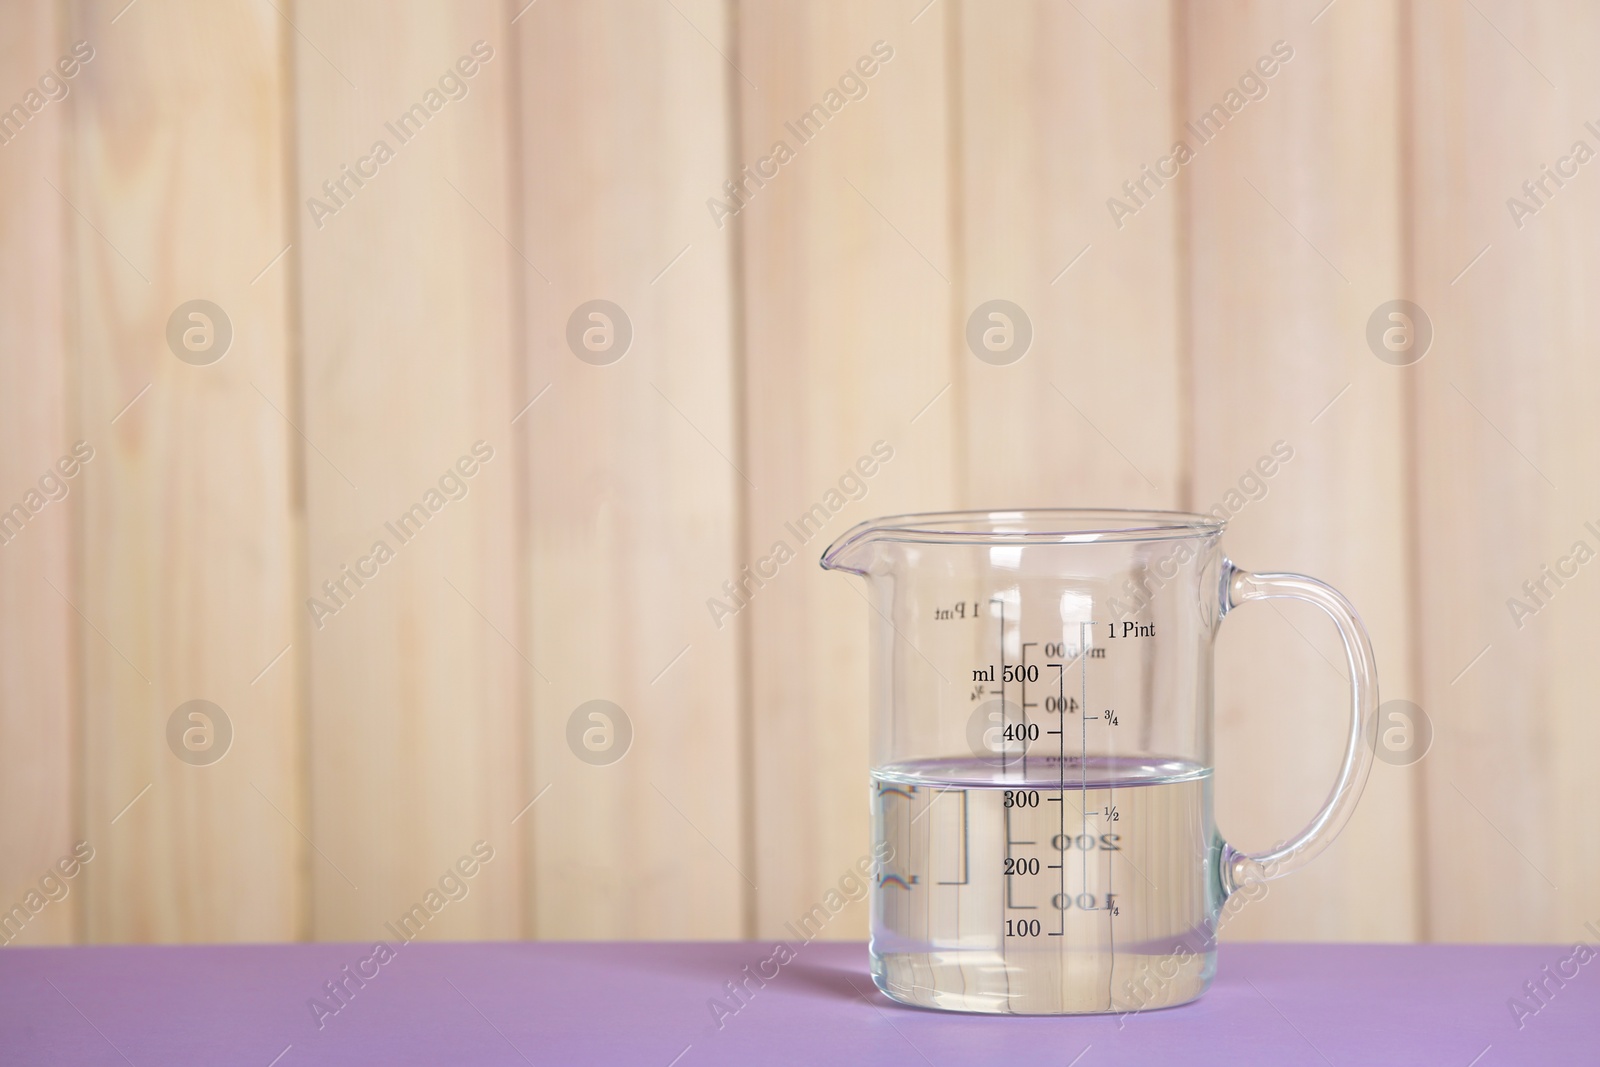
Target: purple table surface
{"points": [[519, 1003]]}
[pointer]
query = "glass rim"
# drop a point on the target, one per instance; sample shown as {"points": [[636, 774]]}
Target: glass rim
{"points": [[1029, 526]]}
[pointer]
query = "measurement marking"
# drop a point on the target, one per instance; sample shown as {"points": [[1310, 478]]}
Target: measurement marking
{"points": [[937, 793], [1083, 755], [85, 1018], [1061, 778], [1314, 19], [966, 840], [532, 402], [1481, 1055], [924, 10], [269, 666], [530, 804], [1111, 918], [1468, 667], [1004, 748], [1061, 772], [130, 404], [1022, 673], [1068, 267], [1086, 1049], [686, 1048], [514, 19], [1009, 903], [280, 1055], [131, 803], [257, 278], [1005, 902], [1468, 267], [114, 18]]}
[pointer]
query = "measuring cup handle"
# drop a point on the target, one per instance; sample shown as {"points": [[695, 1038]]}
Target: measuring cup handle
{"points": [[1242, 868]]}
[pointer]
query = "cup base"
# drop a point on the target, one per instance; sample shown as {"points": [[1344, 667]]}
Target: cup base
{"points": [[1062, 985]]}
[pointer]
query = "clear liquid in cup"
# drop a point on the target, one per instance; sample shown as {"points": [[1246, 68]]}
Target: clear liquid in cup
{"points": [[1058, 886]]}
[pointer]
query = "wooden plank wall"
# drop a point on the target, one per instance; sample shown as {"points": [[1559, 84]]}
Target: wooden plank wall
{"points": [[1506, 461], [632, 473], [408, 373], [1060, 106], [187, 557], [848, 293], [38, 730], [777, 331], [1293, 240]]}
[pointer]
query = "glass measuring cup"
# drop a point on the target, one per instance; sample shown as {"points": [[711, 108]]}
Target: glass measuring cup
{"points": [[1041, 744]]}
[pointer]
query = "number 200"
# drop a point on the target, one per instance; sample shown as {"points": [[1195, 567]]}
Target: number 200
{"points": [[1084, 842]]}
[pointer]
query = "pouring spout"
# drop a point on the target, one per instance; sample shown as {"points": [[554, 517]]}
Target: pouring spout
{"points": [[854, 551]]}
